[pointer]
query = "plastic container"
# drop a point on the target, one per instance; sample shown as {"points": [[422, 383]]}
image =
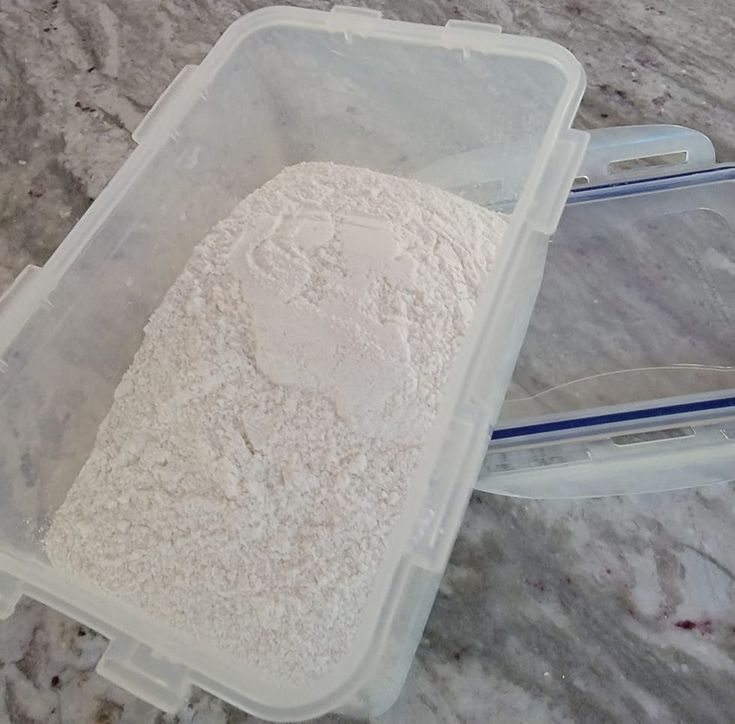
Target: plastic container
{"points": [[626, 380], [284, 85]]}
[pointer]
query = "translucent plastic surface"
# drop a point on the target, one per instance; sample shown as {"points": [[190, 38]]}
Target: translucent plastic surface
{"points": [[626, 381], [280, 87], [637, 302]]}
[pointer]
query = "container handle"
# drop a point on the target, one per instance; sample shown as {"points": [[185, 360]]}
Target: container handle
{"points": [[137, 669], [161, 111], [17, 305], [623, 153], [11, 590]]}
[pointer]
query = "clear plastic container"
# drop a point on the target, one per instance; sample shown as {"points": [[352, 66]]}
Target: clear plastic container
{"points": [[626, 379], [281, 86]]}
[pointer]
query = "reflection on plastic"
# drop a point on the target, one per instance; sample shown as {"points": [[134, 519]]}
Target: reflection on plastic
{"points": [[577, 394]]}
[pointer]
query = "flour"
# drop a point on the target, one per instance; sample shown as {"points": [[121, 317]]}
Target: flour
{"points": [[258, 450]]}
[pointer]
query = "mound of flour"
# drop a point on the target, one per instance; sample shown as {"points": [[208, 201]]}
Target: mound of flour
{"points": [[257, 453]]}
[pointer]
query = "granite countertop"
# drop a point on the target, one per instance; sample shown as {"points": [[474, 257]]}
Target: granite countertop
{"points": [[609, 610]]}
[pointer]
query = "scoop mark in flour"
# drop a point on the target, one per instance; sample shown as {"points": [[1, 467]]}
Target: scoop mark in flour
{"points": [[309, 333]]}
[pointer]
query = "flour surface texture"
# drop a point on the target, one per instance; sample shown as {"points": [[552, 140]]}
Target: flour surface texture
{"points": [[258, 451]]}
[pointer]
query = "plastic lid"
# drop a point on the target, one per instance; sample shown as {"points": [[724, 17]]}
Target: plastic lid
{"points": [[629, 357]]}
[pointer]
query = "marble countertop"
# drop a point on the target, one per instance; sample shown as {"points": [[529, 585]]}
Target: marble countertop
{"points": [[610, 610]]}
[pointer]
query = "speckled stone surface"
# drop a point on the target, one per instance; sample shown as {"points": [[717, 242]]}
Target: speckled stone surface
{"points": [[612, 610]]}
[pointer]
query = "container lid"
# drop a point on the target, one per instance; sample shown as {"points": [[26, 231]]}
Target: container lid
{"points": [[626, 380]]}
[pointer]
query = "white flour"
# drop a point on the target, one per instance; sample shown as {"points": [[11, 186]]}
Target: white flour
{"points": [[258, 450]]}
